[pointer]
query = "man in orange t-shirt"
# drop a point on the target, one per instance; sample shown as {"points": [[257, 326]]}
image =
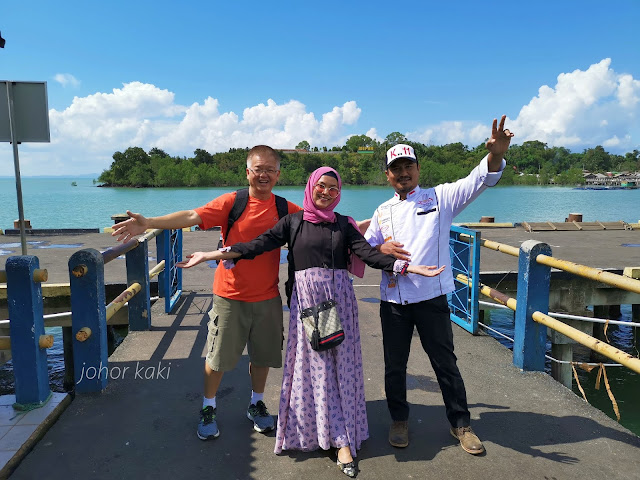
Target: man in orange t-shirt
{"points": [[247, 309]]}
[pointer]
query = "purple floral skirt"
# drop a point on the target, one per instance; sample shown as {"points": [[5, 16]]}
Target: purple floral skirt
{"points": [[322, 403]]}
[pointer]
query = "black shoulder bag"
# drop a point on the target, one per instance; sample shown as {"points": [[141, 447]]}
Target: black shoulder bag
{"points": [[321, 322]]}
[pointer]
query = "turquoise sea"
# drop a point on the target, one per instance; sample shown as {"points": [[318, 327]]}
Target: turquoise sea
{"points": [[56, 203]]}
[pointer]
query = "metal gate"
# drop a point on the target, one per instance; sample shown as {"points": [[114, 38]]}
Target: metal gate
{"points": [[464, 248]]}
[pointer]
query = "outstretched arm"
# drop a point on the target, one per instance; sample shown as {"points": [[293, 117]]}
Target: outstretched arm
{"points": [[138, 223], [498, 144], [198, 257], [425, 270]]}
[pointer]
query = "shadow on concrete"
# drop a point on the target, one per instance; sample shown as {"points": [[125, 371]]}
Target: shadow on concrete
{"points": [[523, 432]]}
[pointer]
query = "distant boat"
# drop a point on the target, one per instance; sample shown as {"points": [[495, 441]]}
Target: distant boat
{"points": [[74, 184], [608, 187]]}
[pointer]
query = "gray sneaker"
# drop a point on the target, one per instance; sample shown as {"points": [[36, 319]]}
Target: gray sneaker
{"points": [[207, 426], [260, 416]]}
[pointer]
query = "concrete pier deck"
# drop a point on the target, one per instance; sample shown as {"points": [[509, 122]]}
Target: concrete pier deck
{"points": [[143, 424]]}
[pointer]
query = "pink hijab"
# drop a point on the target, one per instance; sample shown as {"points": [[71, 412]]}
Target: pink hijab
{"points": [[314, 214]]}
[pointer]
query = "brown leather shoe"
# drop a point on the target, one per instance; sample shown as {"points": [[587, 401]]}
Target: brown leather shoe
{"points": [[469, 441], [399, 434]]}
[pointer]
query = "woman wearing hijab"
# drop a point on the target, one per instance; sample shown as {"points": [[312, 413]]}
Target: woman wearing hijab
{"points": [[322, 402]]}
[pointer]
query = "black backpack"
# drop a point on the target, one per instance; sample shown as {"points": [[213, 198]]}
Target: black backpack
{"points": [[240, 203], [294, 228]]}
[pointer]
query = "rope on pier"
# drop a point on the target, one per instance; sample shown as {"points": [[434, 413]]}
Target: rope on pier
{"points": [[601, 372], [495, 331], [27, 407], [566, 315], [585, 366], [549, 357]]}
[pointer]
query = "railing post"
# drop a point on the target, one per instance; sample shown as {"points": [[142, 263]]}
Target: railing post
{"points": [[68, 382], [160, 241], [172, 280], [26, 325], [530, 338], [138, 271], [90, 357]]}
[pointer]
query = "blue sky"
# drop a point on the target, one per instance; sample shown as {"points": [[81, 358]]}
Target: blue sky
{"points": [[215, 75]]}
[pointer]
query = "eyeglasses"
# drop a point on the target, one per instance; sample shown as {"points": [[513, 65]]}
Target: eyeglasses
{"points": [[321, 188], [259, 171]]}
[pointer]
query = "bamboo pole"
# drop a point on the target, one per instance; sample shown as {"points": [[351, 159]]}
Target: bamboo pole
{"points": [[121, 299], [156, 270], [45, 341], [632, 363], [83, 334], [620, 281], [150, 235]]}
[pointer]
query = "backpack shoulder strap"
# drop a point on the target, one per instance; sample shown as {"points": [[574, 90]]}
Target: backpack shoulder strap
{"points": [[282, 206], [294, 228], [239, 204]]}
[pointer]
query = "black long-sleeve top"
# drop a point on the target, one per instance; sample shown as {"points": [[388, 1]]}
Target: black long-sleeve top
{"points": [[313, 246]]}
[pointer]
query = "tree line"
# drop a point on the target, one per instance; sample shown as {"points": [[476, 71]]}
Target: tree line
{"points": [[531, 163]]}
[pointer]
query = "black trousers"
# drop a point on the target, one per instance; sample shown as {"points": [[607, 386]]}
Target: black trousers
{"points": [[431, 318]]}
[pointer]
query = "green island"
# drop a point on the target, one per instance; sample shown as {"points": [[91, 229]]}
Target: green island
{"points": [[361, 162]]}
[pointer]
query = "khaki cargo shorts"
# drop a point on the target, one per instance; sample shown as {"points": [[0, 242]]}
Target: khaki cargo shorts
{"points": [[234, 324]]}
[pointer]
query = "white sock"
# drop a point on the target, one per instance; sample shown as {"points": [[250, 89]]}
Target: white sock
{"points": [[206, 402], [256, 397]]}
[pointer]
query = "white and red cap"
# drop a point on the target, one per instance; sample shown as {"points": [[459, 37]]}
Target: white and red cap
{"points": [[400, 151]]}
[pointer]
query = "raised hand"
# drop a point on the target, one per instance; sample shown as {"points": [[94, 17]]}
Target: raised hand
{"points": [[395, 249], [500, 139], [135, 225], [426, 270]]}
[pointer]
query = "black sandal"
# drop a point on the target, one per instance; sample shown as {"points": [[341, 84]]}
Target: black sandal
{"points": [[349, 469]]}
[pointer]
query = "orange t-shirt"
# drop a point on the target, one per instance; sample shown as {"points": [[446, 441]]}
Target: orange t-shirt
{"points": [[250, 280]]}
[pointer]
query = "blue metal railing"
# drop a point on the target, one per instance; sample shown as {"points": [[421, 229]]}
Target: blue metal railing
{"points": [[532, 295], [169, 246], [24, 296], [464, 248], [89, 313]]}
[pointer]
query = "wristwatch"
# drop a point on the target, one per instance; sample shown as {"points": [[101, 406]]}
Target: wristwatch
{"points": [[404, 269], [401, 268]]}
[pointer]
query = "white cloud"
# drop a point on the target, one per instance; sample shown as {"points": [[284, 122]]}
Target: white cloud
{"points": [[85, 135], [585, 108], [597, 106], [66, 79], [373, 134]]}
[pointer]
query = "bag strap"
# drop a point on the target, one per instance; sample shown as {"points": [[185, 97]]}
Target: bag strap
{"points": [[343, 224]]}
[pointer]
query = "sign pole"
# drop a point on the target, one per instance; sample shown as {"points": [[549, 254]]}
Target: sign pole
{"points": [[16, 163]]}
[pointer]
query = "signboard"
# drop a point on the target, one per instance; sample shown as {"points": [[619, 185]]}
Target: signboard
{"points": [[30, 111]]}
